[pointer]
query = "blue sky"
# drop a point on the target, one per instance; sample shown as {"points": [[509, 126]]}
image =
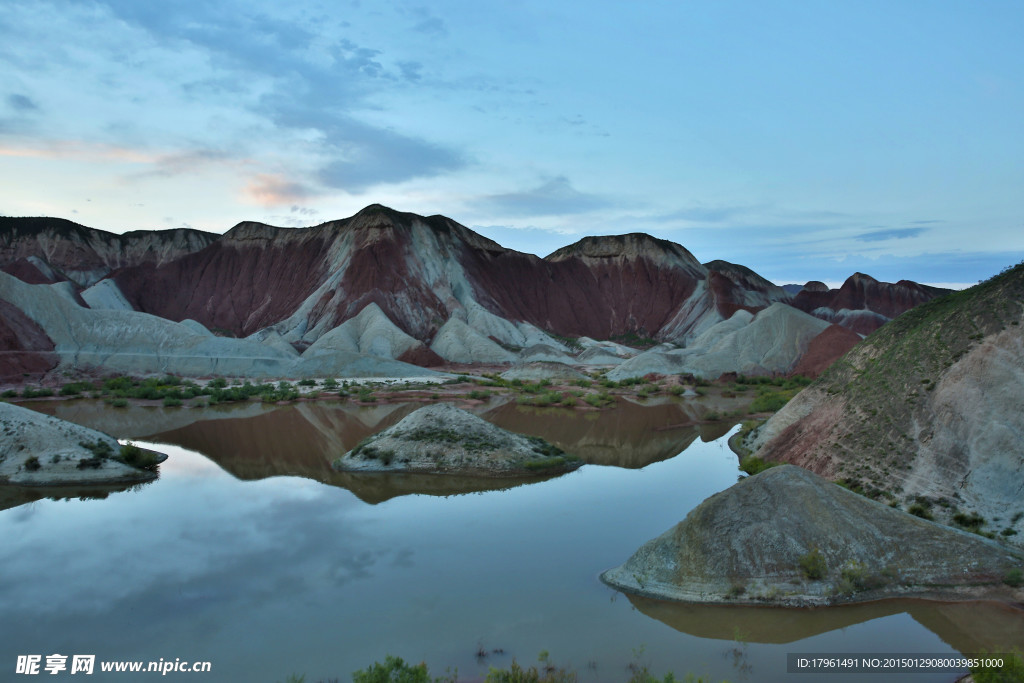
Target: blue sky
{"points": [[804, 140]]}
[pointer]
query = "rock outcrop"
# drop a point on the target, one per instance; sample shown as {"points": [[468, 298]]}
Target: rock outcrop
{"points": [[789, 536], [926, 411], [40, 450], [770, 342], [442, 439]]}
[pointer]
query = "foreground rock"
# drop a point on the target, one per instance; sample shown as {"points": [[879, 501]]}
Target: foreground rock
{"points": [[788, 536], [441, 439], [40, 450]]}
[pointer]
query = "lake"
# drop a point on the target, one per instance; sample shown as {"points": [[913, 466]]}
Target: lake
{"points": [[251, 553]]}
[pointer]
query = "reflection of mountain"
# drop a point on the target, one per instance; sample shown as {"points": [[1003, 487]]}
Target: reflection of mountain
{"points": [[255, 441], [631, 435], [968, 627], [13, 496]]}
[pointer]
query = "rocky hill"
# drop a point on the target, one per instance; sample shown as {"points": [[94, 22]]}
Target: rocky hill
{"points": [[426, 290], [926, 412], [40, 450], [47, 250], [442, 439], [788, 536]]}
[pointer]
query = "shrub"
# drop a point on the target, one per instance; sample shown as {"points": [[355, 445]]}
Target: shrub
{"points": [[100, 449], [171, 402], [306, 383], [813, 565], [393, 670], [1014, 578], [32, 463], [90, 463], [921, 510], [753, 465], [130, 454], [1012, 670], [330, 384], [119, 402], [9, 393], [971, 522]]}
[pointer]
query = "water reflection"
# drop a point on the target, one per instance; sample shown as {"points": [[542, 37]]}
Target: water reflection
{"points": [[253, 441], [13, 496], [966, 626]]}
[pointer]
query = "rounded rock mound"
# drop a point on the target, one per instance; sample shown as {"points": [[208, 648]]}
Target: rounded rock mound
{"points": [[791, 537], [442, 439]]}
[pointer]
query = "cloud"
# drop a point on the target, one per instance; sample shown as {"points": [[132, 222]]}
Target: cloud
{"points": [[891, 234], [275, 190], [552, 197], [178, 163], [701, 213], [366, 156], [21, 103], [245, 82]]}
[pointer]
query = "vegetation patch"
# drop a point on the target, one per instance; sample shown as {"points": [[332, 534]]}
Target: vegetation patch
{"points": [[812, 565]]}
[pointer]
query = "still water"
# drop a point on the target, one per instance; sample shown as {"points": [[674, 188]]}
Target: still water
{"points": [[249, 552]]}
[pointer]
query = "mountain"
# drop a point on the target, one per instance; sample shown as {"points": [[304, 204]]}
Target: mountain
{"points": [[925, 412], [432, 290], [47, 250], [862, 303]]}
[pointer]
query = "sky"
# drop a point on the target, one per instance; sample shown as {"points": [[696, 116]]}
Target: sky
{"points": [[803, 140]]}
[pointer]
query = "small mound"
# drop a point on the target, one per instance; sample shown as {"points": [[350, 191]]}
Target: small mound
{"points": [[442, 439], [40, 450], [791, 537]]}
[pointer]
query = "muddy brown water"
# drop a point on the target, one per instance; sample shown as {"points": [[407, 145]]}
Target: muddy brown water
{"points": [[250, 552]]}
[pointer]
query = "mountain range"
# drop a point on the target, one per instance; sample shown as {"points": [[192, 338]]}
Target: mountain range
{"points": [[383, 290]]}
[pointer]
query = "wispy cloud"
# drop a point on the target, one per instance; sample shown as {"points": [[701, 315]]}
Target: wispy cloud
{"points": [[21, 103], [890, 234], [552, 197], [275, 190]]}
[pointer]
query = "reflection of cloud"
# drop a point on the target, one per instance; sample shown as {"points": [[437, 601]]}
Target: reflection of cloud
{"points": [[891, 234], [554, 196]]}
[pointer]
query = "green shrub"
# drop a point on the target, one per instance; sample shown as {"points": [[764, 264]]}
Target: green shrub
{"points": [[920, 509], [393, 670], [306, 383], [32, 463], [132, 455], [171, 402], [90, 463], [752, 464], [971, 522], [1012, 670], [100, 448], [75, 388], [119, 402], [813, 565], [1014, 578], [9, 393]]}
